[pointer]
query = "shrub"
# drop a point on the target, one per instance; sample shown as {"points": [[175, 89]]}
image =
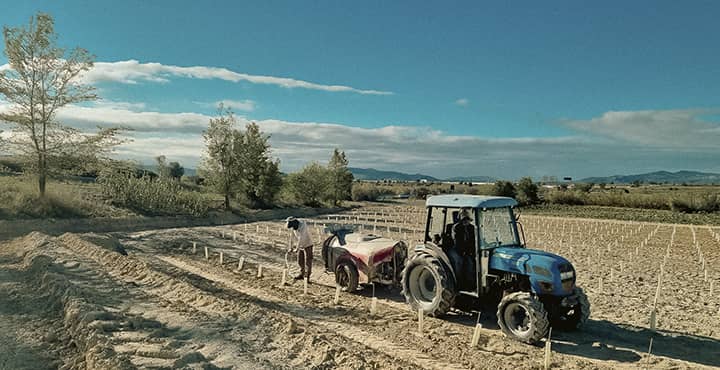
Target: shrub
{"points": [[564, 197], [584, 187], [504, 189], [527, 191], [310, 185], [707, 203], [365, 192], [152, 197], [422, 192]]}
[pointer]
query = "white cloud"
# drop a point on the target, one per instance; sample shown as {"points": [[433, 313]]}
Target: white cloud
{"points": [[463, 102], [119, 105], [407, 148], [658, 128], [132, 72], [242, 105]]}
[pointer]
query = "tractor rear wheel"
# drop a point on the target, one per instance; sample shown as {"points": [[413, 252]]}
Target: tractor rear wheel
{"points": [[574, 317], [427, 284], [346, 276], [522, 317]]}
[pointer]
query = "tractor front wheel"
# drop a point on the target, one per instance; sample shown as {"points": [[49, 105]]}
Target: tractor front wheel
{"points": [[522, 317], [346, 276], [427, 284], [574, 317]]}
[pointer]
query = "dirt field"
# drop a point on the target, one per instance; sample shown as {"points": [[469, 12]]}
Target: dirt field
{"points": [[76, 301]]}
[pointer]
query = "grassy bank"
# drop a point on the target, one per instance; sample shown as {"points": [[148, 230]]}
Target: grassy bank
{"points": [[64, 199]]}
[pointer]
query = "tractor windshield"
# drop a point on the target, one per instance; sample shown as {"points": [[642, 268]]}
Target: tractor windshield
{"points": [[497, 228]]}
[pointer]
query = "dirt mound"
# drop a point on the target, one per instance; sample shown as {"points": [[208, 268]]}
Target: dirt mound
{"points": [[105, 241], [43, 293]]}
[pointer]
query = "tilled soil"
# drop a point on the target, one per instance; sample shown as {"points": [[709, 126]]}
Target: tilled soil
{"points": [[151, 300]]}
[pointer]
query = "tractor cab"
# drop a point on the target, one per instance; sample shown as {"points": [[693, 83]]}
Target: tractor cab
{"points": [[466, 228]]}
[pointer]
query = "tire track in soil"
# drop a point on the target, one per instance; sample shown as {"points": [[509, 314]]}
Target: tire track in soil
{"points": [[130, 269], [349, 331]]}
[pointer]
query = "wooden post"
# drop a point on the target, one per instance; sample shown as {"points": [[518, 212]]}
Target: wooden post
{"points": [[305, 285], [548, 350], [420, 320], [653, 319], [476, 333], [712, 286], [221, 258], [194, 247], [336, 301], [373, 306], [283, 279], [207, 253], [234, 235], [241, 262], [259, 271]]}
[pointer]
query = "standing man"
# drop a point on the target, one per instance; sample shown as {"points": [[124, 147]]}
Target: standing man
{"points": [[304, 246]]}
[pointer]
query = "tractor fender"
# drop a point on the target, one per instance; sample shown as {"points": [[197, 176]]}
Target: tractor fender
{"points": [[437, 252]]}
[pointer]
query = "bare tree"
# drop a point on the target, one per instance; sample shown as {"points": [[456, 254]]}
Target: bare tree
{"points": [[42, 79]]}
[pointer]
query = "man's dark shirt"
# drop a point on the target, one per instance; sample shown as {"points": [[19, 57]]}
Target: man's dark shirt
{"points": [[464, 237]]}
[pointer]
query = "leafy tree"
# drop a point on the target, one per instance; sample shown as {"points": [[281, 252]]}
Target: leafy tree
{"points": [[527, 191], [172, 170], [309, 186], [504, 189], [176, 170], [221, 165], [340, 178], [43, 78], [163, 169], [260, 179]]}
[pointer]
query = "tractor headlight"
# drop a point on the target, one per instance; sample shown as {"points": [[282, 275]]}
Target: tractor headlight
{"points": [[567, 275]]}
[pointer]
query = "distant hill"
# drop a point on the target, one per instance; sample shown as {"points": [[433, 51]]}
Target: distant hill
{"points": [[471, 179], [660, 177], [373, 174]]}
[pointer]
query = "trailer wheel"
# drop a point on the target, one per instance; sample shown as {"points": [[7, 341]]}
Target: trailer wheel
{"points": [[427, 284], [346, 276], [522, 317]]}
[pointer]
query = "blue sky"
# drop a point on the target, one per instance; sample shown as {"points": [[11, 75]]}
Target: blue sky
{"points": [[503, 89]]}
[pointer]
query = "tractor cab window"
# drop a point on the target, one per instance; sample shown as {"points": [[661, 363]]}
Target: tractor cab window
{"points": [[497, 228], [436, 231]]}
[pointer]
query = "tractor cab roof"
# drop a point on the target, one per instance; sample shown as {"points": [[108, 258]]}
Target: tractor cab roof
{"points": [[469, 201]]}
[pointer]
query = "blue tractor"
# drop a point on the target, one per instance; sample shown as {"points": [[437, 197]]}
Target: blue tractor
{"points": [[473, 252]]}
